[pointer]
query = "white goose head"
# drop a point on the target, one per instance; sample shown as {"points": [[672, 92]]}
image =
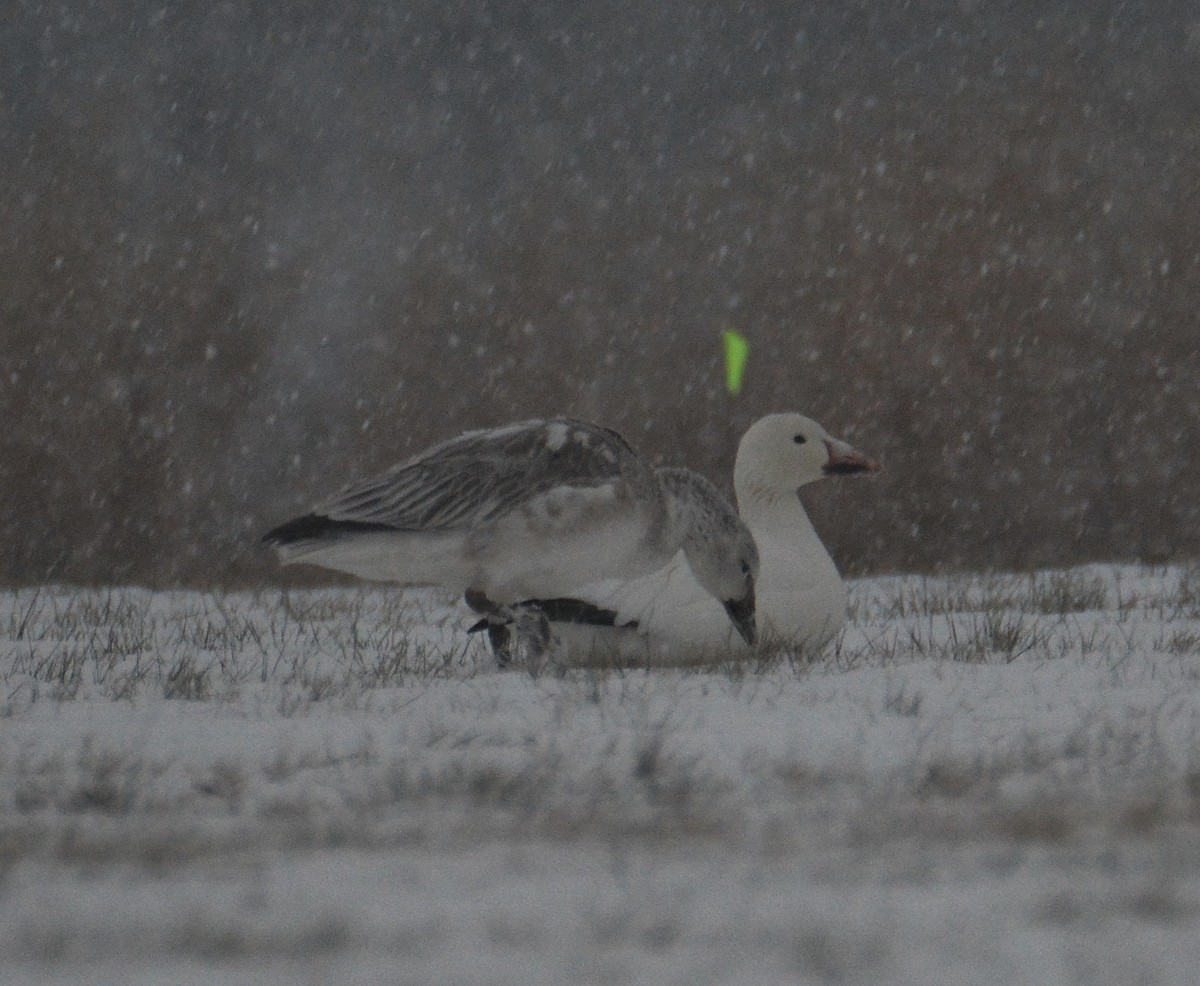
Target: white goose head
{"points": [[783, 452]]}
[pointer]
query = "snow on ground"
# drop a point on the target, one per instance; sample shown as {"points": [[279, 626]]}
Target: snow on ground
{"points": [[986, 779]]}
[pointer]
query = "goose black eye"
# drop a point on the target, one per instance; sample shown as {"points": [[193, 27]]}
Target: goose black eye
{"points": [[799, 439], [745, 568]]}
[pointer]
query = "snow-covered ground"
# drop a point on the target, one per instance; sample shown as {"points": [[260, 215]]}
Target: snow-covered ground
{"points": [[987, 780]]}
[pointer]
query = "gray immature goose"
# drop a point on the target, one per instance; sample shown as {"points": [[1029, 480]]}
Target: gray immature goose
{"points": [[532, 510]]}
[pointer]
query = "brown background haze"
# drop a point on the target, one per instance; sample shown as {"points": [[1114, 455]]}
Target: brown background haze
{"points": [[250, 251]]}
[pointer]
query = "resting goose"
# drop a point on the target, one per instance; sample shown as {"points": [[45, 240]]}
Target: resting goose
{"points": [[665, 618], [535, 509]]}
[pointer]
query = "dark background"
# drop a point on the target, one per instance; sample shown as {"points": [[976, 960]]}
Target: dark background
{"points": [[248, 253]]}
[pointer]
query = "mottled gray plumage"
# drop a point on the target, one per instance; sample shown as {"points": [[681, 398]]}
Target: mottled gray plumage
{"points": [[701, 495], [479, 476], [529, 510]]}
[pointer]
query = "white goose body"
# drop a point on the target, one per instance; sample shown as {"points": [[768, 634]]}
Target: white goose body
{"points": [[665, 618]]}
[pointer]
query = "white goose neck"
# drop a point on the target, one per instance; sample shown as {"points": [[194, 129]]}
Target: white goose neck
{"points": [[772, 507]]}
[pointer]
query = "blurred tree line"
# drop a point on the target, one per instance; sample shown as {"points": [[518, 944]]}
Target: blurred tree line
{"points": [[251, 251]]}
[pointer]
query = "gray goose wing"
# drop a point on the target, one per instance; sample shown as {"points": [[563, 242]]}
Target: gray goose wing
{"points": [[479, 476]]}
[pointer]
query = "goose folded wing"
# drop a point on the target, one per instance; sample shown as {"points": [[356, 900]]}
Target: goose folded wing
{"points": [[480, 476]]}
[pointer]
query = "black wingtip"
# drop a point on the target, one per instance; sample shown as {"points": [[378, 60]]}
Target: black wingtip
{"points": [[565, 610], [307, 528], [560, 610], [314, 527]]}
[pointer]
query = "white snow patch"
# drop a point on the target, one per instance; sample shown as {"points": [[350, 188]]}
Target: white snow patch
{"points": [[556, 435], [985, 779]]}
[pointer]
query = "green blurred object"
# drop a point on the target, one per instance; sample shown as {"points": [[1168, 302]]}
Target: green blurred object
{"points": [[736, 349]]}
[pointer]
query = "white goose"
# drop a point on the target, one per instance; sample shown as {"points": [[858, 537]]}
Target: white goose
{"points": [[665, 618], [535, 509]]}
